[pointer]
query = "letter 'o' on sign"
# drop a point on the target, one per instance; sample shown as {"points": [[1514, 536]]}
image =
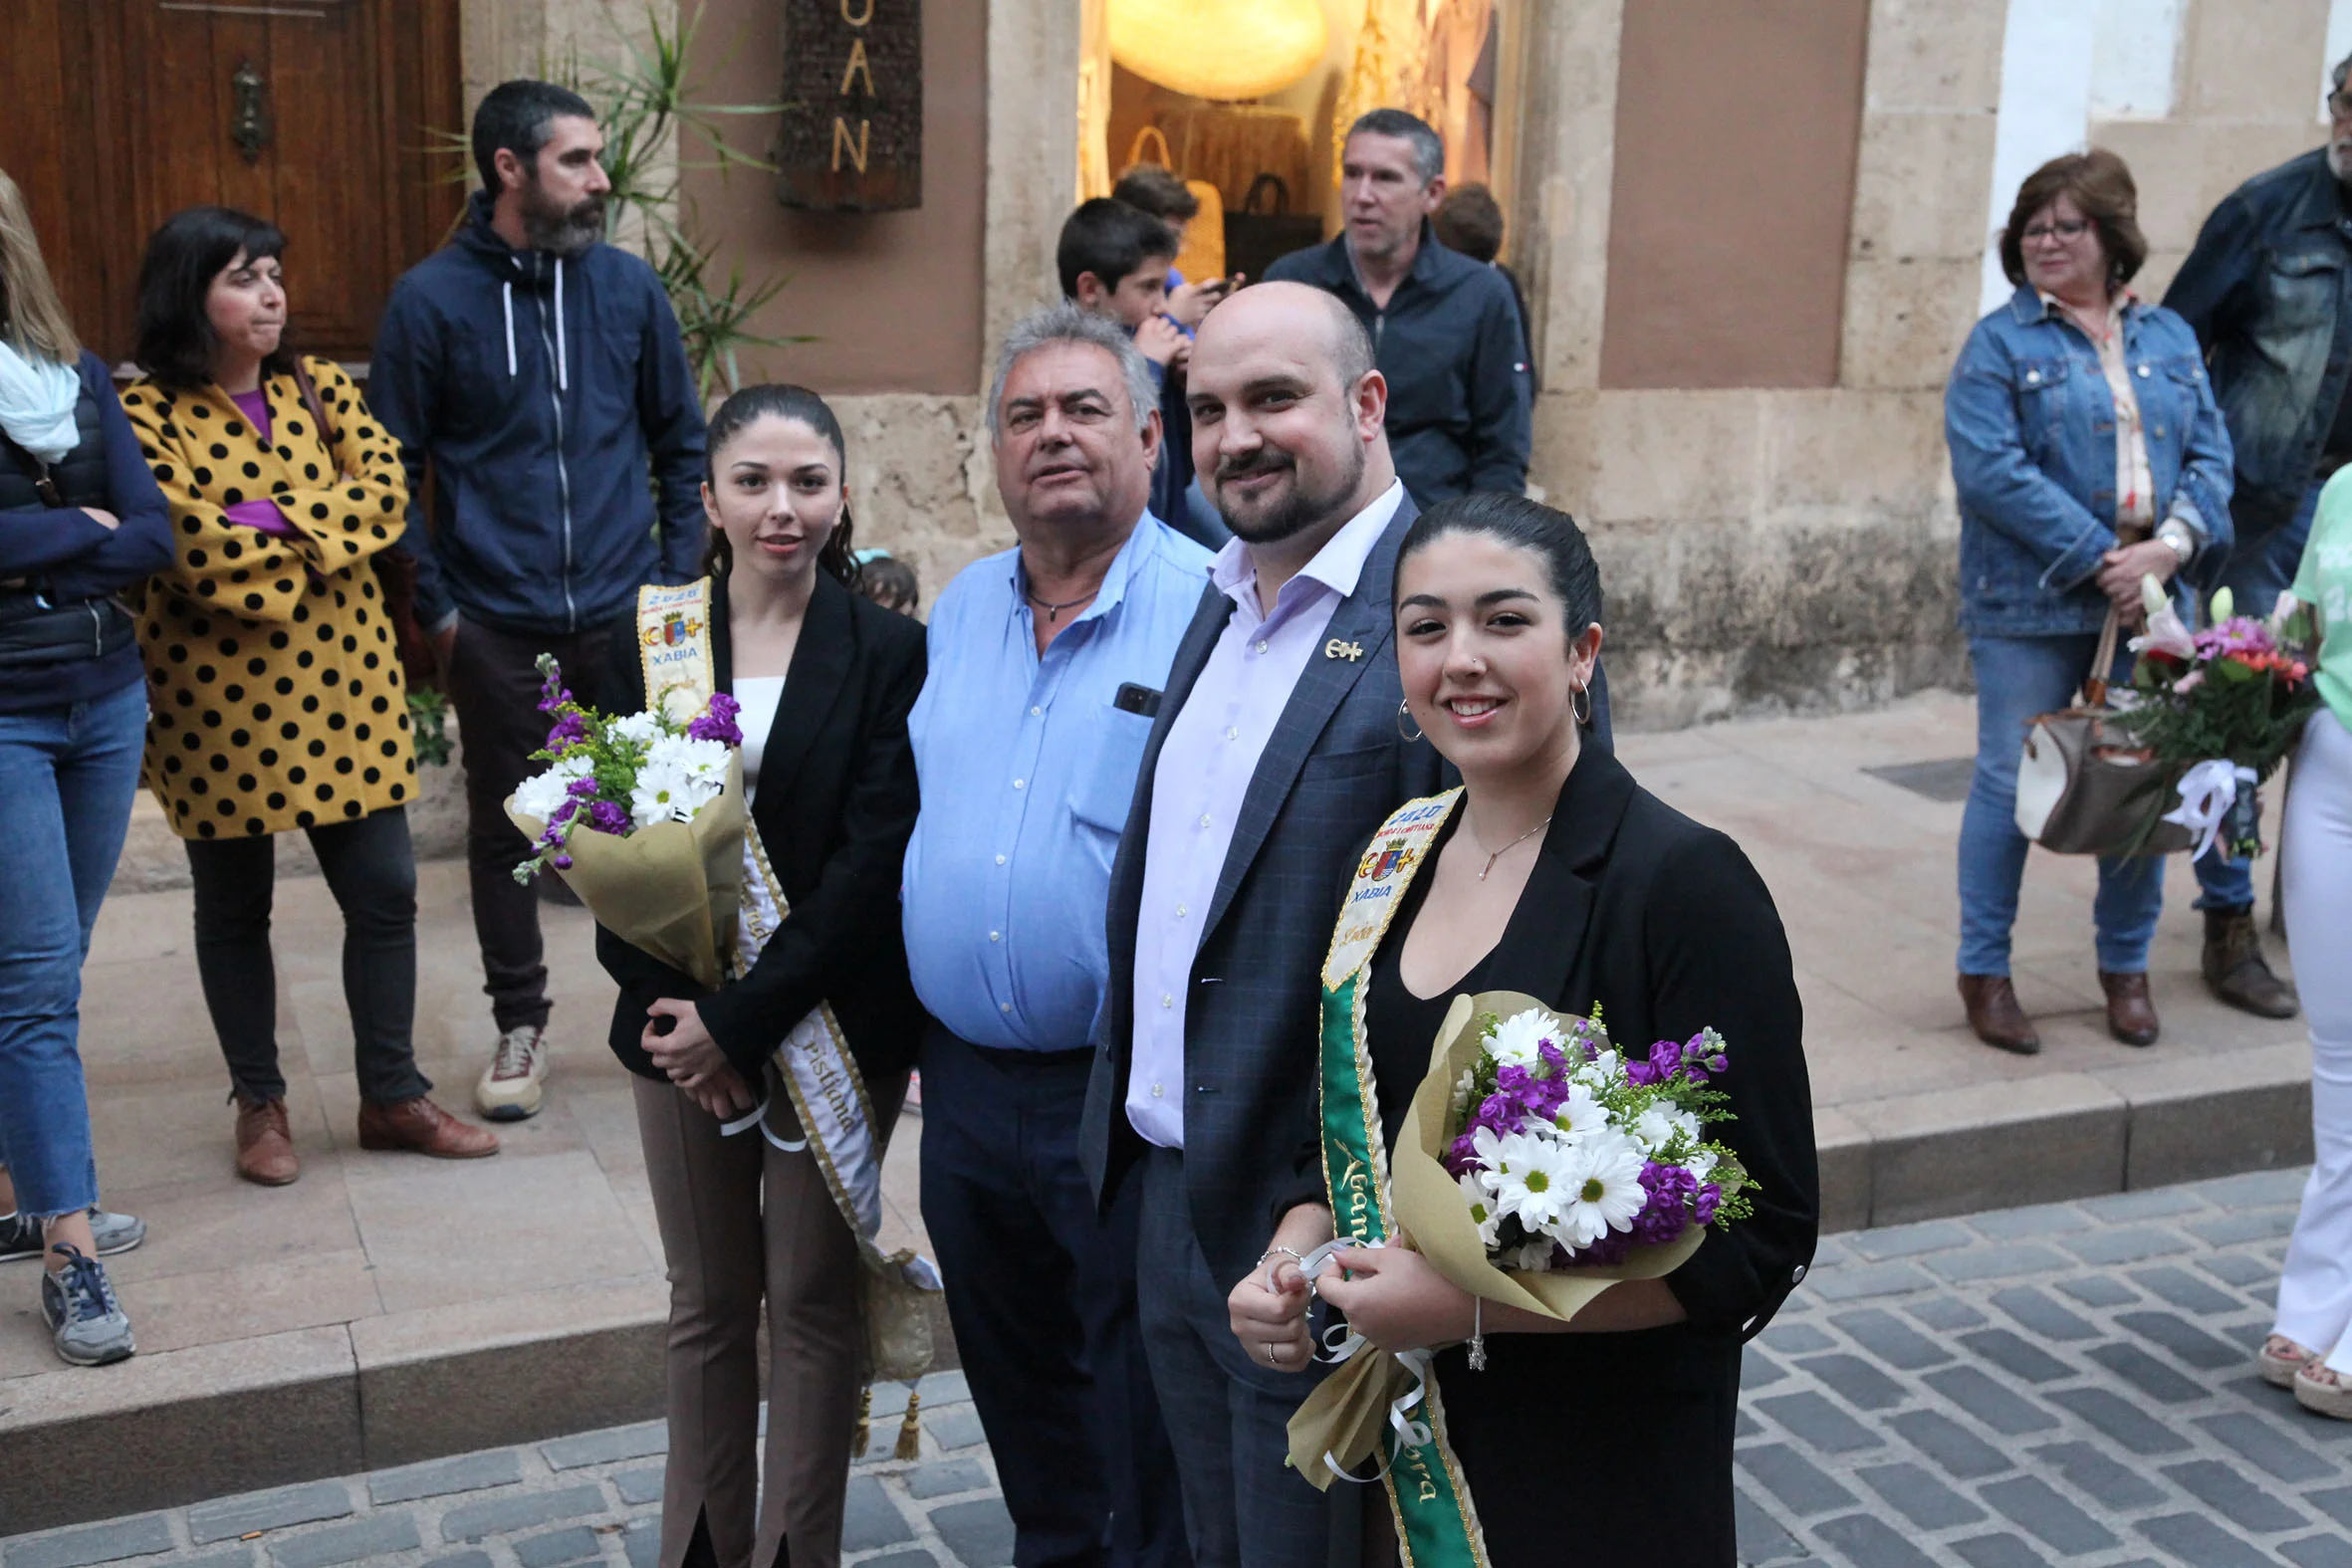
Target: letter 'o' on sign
{"points": [[851, 136]]}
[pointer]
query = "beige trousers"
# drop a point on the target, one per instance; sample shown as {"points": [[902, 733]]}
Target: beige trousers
{"points": [[742, 1220]]}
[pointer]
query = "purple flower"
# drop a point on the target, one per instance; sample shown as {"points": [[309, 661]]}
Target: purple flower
{"points": [[609, 817], [570, 730], [1665, 1057], [717, 722], [582, 788], [1611, 1249], [562, 862], [1669, 1210], [563, 814], [1640, 1074], [1703, 1207]]}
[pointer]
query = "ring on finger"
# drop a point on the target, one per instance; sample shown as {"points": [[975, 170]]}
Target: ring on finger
{"points": [[1269, 1353]]}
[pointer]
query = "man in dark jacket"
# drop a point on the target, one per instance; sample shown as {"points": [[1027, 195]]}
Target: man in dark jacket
{"points": [[539, 375], [2268, 289], [1445, 327]]}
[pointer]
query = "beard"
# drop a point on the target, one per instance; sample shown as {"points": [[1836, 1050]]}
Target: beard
{"points": [[2339, 158], [560, 231], [1300, 509]]}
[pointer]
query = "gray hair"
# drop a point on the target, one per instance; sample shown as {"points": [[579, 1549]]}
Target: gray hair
{"points": [[1429, 148], [2343, 69], [1070, 322]]}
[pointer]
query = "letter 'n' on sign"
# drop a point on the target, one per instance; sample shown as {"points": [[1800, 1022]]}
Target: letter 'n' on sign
{"points": [[851, 135]]}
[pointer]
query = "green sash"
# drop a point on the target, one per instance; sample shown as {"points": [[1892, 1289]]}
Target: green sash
{"points": [[1435, 1522]]}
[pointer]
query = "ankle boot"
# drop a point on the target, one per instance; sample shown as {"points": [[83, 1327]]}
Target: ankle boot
{"points": [[1995, 1015], [265, 1147], [2131, 1014], [2236, 971]]}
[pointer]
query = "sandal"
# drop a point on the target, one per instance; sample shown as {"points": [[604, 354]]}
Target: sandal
{"points": [[2279, 1358], [2330, 1398]]}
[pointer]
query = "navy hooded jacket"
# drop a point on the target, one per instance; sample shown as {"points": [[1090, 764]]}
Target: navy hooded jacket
{"points": [[544, 391]]}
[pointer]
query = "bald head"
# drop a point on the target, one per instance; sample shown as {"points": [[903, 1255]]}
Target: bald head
{"points": [[1305, 315], [1288, 415]]}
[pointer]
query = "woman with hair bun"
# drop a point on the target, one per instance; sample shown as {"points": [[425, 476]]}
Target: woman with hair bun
{"points": [[825, 679]]}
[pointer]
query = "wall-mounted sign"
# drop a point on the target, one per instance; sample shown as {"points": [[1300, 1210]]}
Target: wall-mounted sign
{"points": [[852, 133]]}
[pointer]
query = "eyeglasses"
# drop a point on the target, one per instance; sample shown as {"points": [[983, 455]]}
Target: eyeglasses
{"points": [[2339, 104], [2067, 229]]}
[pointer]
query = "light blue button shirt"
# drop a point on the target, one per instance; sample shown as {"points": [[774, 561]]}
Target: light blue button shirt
{"points": [[1027, 769]]}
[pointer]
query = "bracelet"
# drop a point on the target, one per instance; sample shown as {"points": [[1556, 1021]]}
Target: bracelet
{"points": [[1282, 1251], [2177, 537], [1478, 1337]]}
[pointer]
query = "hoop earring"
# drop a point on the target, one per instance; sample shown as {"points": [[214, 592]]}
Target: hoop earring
{"points": [[1404, 712], [1584, 719]]}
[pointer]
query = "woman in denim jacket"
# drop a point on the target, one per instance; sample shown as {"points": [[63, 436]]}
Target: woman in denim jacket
{"points": [[2088, 452]]}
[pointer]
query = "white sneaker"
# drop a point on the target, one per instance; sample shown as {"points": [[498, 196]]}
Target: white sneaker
{"points": [[510, 1088]]}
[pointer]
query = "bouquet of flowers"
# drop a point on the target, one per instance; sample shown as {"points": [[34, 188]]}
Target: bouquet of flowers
{"points": [[1572, 1154], [661, 796], [2219, 709]]}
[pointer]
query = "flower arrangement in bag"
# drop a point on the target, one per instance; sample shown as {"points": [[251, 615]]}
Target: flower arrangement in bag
{"points": [[2220, 708], [1568, 1153], [619, 775]]}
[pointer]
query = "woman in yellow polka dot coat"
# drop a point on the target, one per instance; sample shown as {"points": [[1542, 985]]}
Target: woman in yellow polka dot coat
{"points": [[273, 685], [273, 676]]}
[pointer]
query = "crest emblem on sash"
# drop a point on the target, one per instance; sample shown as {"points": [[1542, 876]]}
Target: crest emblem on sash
{"points": [[1381, 863], [674, 631]]}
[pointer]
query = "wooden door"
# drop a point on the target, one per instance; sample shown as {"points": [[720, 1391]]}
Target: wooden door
{"points": [[318, 115]]}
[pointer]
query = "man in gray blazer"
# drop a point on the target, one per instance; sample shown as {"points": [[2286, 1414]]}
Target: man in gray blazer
{"points": [[1275, 751]]}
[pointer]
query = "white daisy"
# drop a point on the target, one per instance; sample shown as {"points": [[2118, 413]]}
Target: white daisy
{"points": [[1541, 1185], [1481, 1205], [1580, 1112], [1492, 1154], [1602, 1189], [538, 796], [1701, 1164], [1661, 1125], [640, 728], [1532, 1258], [667, 793], [1515, 1039], [697, 759]]}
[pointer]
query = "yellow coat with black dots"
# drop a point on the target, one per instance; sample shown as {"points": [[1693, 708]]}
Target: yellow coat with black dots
{"points": [[274, 687]]}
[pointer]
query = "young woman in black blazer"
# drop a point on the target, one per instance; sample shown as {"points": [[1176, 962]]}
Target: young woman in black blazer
{"points": [[826, 679], [1557, 875]]}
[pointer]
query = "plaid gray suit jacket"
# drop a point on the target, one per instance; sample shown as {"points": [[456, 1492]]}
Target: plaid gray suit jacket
{"points": [[1335, 766]]}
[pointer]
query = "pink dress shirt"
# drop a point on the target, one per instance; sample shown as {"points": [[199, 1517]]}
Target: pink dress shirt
{"points": [[257, 512], [1205, 767]]}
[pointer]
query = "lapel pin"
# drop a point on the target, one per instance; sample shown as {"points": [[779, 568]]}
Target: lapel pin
{"points": [[1350, 651]]}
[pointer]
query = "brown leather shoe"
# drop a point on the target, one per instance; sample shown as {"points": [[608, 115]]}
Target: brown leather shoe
{"points": [[2236, 971], [265, 1148], [419, 1126], [1995, 1015], [2131, 1016]]}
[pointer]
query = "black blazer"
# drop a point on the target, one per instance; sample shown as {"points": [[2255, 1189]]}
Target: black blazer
{"points": [[835, 805], [1336, 764]]}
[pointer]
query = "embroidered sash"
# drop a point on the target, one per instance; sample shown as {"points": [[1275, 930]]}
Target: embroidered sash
{"points": [[1435, 1522]]}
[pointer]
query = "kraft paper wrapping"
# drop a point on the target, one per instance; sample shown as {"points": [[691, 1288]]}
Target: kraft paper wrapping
{"points": [[1347, 1415], [671, 889]]}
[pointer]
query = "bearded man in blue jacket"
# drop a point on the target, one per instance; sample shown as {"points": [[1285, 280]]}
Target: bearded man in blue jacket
{"points": [[537, 375]]}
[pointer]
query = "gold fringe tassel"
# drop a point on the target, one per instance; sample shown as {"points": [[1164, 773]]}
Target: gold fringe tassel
{"points": [[911, 1431], [864, 1427]]}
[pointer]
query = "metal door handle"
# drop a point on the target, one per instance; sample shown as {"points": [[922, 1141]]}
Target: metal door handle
{"points": [[249, 124]]}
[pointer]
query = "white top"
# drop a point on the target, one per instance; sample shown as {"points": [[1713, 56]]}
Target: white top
{"points": [[759, 695]]}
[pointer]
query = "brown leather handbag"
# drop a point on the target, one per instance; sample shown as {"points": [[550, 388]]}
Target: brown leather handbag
{"points": [[2085, 786]]}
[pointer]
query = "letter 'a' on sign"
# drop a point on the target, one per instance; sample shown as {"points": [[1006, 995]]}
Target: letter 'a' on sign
{"points": [[851, 135]]}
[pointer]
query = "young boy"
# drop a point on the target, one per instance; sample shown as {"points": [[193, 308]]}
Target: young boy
{"points": [[1115, 261]]}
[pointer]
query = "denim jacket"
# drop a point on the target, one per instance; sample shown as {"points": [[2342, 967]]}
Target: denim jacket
{"points": [[2267, 288], [2031, 427]]}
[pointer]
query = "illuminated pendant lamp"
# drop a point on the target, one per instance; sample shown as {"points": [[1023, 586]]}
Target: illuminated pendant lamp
{"points": [[1218, 49]]}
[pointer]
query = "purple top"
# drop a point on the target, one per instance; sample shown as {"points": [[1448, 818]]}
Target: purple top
{"points": [[1205, 767], [261, 511]]}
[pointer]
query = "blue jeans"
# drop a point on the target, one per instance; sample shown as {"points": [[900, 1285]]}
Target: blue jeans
{"points": [[2256, 575], [67, 778], [2018, 679]]}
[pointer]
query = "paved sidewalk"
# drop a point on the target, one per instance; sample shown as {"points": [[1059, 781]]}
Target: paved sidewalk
{"points": [[389, 1309], [2065, 1384]]}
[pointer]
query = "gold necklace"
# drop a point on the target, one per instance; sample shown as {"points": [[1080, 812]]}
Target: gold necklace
{"points": [[1507, 848]]}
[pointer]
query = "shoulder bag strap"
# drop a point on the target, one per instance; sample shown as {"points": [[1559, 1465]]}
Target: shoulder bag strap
{"points": [[43, 484], [310, 401], [2094, 685]]}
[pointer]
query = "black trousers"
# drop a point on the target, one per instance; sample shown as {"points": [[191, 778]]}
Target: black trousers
{"points": [[1040, 1290], [494, 684], [371, 871]]}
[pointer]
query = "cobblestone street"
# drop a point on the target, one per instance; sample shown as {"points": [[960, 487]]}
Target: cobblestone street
{"points": [[2063, 1384]]}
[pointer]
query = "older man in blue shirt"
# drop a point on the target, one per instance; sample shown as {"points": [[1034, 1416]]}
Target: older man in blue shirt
{"points": [[1046, 664]]}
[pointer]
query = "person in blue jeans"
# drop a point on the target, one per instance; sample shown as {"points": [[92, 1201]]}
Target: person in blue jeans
{"points": [[2088, 453], [81, 520], [2268, 289]]}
